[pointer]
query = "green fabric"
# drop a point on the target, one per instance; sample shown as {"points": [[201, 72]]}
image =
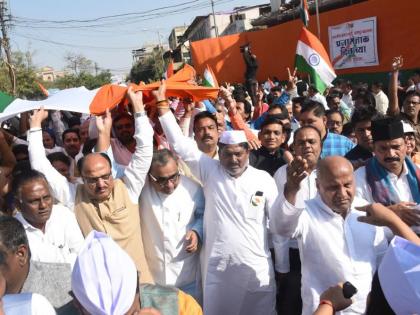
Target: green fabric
{"points": [[162, 298], [5, 100], [303, 66]]}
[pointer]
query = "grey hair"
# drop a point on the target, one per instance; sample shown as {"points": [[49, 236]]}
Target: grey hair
{"points": [[162, 157]]}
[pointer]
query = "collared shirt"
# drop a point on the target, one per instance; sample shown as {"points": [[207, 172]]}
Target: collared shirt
{"points": [[358, 153], [266, 161], [335, 144], [61, 241], [348, 99], [332, 249], [165, 220]]}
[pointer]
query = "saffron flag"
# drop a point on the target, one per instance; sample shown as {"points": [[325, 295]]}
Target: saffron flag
{"points": [[304, 12], [209, 79], [95, 102], [312, 58]]}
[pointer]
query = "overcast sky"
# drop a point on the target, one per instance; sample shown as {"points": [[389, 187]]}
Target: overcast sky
{"points": [[107, 41]]}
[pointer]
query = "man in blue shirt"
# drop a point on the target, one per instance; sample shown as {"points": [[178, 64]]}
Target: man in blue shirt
{"points": [[313, 114]]}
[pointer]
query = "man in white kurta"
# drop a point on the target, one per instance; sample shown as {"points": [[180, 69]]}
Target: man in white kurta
{"points": [[334, 247], [236, 264], [171, 209]]}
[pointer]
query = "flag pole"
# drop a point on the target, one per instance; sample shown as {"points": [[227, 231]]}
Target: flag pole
{"points": [[317, 19]]}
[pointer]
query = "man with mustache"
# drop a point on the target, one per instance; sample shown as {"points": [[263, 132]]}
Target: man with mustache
{"points": [[333, 245], [124, 144], [236, 264], [205, 134], [390, 177]]}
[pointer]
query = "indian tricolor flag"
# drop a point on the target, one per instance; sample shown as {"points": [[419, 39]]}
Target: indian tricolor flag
{"points": [[312, 58], [304, 12], [209, 79]]}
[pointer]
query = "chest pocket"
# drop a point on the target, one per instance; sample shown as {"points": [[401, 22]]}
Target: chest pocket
{"points": [[255, 209]]}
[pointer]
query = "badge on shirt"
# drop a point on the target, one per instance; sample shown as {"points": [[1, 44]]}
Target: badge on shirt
{"points": [[256, 204]]}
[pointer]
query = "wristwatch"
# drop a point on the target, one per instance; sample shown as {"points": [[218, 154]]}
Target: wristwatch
{"points": [[140, 114]]}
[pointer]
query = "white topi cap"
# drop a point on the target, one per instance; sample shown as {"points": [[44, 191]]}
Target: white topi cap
{"points": [[233, 137], [399, 275], [104, 278], [407, 127]]}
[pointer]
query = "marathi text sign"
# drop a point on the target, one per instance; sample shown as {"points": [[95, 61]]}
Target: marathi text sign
{"points": [[353, 44]]}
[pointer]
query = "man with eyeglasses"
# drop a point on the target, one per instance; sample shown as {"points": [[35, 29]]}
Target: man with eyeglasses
{"points": [[171, 216], [103, 203], [52, 230]]}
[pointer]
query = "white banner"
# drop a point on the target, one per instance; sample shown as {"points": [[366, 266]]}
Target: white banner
{"points": [[353, 44]]}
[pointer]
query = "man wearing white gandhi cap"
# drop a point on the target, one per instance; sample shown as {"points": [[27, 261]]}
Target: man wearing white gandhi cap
{"points": [[237, 272], [105, 282]]}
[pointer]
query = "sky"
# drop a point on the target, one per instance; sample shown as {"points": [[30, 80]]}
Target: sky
{"points": [[50, 28]]}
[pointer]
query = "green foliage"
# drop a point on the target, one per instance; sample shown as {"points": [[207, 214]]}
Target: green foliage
{"points": [[149, 69], [26, 86], [85, 79]]}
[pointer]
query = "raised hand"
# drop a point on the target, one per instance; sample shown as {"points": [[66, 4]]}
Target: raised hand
{"points": [[297, 171], [291, 77], [136, 99], [37, 117], [397, 63], [104, 123], [407, 212], [160, 93]]}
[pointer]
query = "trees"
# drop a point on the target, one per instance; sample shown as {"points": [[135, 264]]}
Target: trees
{"points": [[78, 63], [24, 71], [87, 80], [149, 69]]}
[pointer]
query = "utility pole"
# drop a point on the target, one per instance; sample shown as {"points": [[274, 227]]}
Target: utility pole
{"points": [[216, 31], [5, 43], [96, 69]]}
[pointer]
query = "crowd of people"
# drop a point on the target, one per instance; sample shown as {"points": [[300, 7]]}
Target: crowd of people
{"points": [[270, 199]]}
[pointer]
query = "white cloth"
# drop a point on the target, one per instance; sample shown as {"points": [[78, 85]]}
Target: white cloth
{"points": [[61, 241], [236, 264], [321, 99], [399, 275], [165, 220], [332, 249], [348, 100], [17, 304], [307, 190], [104, 278], [382, 102], [134, 175], [121, 154]]}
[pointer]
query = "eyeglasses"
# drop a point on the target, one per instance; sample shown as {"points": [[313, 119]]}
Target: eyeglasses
{"points": [[162, 181], [94, 180], [413, 102]]}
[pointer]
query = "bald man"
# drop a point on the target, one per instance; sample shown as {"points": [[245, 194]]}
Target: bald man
{"points": [[334, 246], [101, 202]]}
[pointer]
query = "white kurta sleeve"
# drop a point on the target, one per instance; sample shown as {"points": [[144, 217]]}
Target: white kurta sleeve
{"points": [[362, 188], [284, 218], [136, 171], [199, 163], [74, 236], [62, 189]]}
